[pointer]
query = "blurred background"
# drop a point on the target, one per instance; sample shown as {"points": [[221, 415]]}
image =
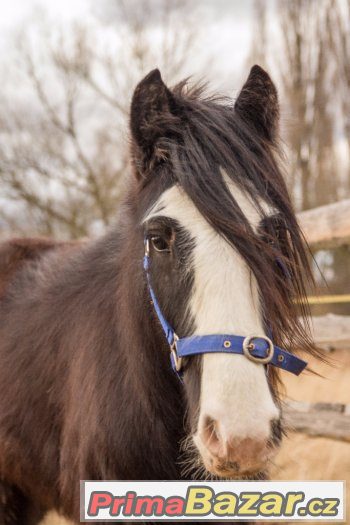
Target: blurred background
{"points": [[67, 73], [68, 70]]}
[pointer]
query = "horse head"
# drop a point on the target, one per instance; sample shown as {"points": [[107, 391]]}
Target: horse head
{"points": [[224, 256]]}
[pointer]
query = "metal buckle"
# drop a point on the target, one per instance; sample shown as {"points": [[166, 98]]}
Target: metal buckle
{"points": [[176, 358], [248, 346]]}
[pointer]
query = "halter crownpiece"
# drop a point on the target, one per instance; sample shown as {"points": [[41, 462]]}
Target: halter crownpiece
{"points": [[259, 349]]}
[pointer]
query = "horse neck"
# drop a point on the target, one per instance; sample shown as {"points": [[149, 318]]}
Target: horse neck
{"points": [[154, 419], [127, 399], [141, 338]]}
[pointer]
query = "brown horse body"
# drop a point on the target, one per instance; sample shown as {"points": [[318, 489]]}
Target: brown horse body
{"points": [[86, 387], [59, 437], [16, 252]]}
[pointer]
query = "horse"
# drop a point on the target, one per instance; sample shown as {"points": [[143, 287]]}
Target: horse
{"points": [[87, 390], [16, 252]]}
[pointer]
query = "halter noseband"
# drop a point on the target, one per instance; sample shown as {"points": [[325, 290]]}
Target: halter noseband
{"points": [[259, 349]]}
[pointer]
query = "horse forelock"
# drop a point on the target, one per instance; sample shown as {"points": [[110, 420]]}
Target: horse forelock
{"points": [[215, 146]]}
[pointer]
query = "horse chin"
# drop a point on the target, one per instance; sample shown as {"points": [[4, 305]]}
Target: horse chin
{"points": [[226, 472], [217, 468]]}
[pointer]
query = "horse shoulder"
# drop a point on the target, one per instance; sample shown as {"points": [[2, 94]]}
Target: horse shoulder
{"points": [[16, 253]]}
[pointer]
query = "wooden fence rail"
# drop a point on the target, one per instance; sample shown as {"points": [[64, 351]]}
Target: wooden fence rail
{"points": [[329, 420], [327, 226], [331, 331]]}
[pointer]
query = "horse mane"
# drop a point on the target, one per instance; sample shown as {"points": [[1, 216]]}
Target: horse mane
{"points": [[207, 140]]}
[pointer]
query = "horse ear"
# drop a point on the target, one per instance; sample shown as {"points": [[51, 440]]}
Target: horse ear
{"points": [[257, 103], [152, 121]]}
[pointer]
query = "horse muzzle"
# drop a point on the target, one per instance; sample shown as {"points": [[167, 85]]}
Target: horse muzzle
{"points": [[232, 456], [239, 458]]}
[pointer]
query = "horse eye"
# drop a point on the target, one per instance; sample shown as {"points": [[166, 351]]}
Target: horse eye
{"points": [[160, 244]]}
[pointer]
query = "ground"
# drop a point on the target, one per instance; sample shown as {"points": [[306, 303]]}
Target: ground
{"points": [[308, 458], [302, 457]]}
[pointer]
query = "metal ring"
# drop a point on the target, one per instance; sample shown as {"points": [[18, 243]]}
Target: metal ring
{"points": [[247, 349], [176, 358]]}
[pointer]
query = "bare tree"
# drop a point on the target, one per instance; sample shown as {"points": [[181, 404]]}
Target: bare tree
{"points": [[338, 26], [296, 77], [259, 46], [64, 145], [306, 72]]}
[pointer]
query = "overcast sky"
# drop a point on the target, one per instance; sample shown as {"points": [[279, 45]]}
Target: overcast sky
{"points": [[227, 26], [15, 11]]}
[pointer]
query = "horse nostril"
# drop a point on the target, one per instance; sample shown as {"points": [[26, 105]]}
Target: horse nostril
{"points": [[210, 428], [276, 432], [210, 434], [233, 465]]}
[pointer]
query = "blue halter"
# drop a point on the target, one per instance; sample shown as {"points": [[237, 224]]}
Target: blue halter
{"points": [[259, 349]]}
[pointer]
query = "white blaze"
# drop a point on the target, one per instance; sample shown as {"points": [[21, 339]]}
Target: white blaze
{"points": [[234, 390]]}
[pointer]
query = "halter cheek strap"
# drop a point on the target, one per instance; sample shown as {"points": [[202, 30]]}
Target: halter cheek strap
{"points": [[259, 349], [167, 329]]}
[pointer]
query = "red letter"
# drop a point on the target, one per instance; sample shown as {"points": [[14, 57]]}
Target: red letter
{"points": [[149, 505], [99, 500], [130, 496], [174, 506], [117, 504]]}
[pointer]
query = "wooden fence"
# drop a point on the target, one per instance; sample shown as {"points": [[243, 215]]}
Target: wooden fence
{"points": [[331, 420], [325, 227]]}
